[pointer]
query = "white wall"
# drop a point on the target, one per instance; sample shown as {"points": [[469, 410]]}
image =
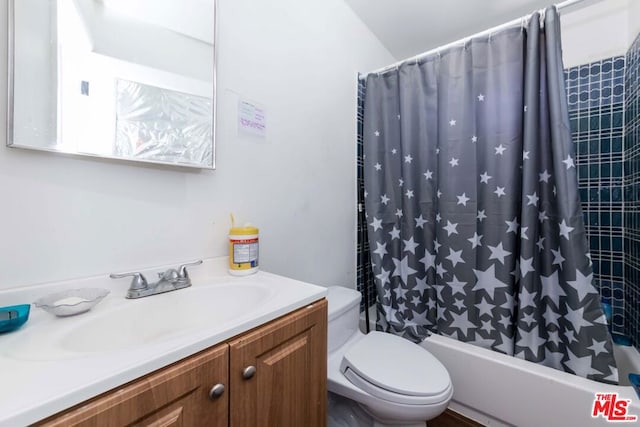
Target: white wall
{"points": [[634, 20], [63, 217], [599, 30]]}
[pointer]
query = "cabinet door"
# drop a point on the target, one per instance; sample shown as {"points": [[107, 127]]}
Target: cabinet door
{"points": [[174, 396], [289, 386]]}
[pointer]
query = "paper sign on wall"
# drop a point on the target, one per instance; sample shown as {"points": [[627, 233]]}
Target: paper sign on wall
{"points": [[251, 119]]}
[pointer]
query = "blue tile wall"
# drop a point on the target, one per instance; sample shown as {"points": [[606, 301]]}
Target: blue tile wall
{"points": [[604, 108], [632, 194], [596, 110]]}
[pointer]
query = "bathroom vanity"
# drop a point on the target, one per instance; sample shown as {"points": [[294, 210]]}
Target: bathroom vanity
{"points": [[272, 375], [262, 363]]}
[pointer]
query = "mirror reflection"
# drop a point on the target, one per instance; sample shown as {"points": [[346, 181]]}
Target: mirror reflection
{"points": [[127, 79]]}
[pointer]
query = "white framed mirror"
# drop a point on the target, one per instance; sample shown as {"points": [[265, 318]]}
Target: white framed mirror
{"points": [[118, 79]]}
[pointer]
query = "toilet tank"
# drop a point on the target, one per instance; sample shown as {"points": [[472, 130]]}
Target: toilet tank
{"points": [[344, 315]]}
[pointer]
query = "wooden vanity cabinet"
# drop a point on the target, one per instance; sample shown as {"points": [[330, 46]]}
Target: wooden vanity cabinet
{"points": [[174, 396], [289, 386], [274, 375]]}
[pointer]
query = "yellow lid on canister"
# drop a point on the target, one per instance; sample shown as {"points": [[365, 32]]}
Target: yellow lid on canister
{"points": [[244, 231]]}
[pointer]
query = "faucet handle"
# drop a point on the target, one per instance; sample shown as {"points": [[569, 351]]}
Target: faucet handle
{"points": [[138, 282], [182, 270]]}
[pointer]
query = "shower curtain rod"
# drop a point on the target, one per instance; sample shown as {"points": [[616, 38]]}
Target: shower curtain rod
{"points": [[521, 21]]}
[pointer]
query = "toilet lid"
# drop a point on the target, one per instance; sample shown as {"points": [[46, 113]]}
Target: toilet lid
{"points": [[390, 367]]}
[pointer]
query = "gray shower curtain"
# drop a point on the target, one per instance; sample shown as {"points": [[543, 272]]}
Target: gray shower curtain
{"points": [[471, 202]]}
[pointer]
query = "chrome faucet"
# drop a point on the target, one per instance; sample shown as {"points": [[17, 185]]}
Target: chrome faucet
{"points": [[171, 280]]}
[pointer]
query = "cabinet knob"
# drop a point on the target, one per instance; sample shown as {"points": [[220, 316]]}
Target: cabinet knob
{"points": [[248, 372], [216, 391]]}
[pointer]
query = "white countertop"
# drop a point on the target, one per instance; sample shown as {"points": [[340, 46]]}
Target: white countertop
{"points": [[36, 388]]}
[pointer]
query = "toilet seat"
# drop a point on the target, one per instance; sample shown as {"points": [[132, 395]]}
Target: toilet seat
{"points": [[394, 369]]}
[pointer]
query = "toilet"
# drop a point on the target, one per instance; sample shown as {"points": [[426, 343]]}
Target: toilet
{"points": [[393, 380]]}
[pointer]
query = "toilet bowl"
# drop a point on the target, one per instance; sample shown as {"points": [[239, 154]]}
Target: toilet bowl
{"points": [[392, 379]]}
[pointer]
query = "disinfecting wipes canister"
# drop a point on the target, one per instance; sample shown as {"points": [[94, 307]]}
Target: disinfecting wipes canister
{"points": [[243, 250]]}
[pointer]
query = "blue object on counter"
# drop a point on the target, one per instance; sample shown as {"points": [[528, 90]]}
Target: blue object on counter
{"points": [[634, 379], [14, 316]]}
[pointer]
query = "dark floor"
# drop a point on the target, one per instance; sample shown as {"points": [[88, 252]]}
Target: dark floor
{"points": [[452, 419]]}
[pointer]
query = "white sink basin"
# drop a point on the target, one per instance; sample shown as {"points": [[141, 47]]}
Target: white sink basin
{"points": [[162, 316], [128, 324]]}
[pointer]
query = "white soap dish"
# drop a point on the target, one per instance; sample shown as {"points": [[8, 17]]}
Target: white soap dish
{"points": [[71, 302]]}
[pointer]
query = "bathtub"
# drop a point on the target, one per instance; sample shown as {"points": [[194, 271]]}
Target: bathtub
{"points": [[499, 390]]}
